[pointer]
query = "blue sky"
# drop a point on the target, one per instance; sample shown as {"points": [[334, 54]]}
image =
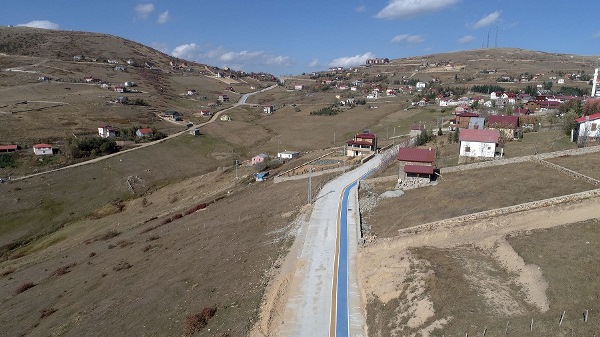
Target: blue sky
{"points": [[293, 37]]}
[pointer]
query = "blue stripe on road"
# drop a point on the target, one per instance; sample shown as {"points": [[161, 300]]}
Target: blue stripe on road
{"points": [[342, 321]]}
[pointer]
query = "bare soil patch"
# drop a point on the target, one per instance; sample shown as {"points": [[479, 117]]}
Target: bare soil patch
{"points": [[476, 281]]}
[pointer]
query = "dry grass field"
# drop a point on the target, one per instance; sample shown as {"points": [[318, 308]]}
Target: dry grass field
{"points": [[130, 272], [456, 194]]}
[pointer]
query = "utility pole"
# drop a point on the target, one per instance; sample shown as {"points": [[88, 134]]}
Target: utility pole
{"points": [[236, 169], [310, 185]]}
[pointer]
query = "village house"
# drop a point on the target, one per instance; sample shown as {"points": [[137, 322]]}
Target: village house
{"points": [[588, 129], [477, 123], [223, 98], [417, 166], [106, 131], [363, 144], [479, 144], [120, 68], [298, 87], [287, 155], [172, 115], [144, 132], [42, 149], [461, 120], [225, 118], [507, 125], [120, 89], [195, 132], [191, 92], [268, 109], [8, 148], [206, 113], [259, 158]]}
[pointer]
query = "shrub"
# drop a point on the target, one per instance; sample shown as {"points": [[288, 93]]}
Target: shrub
{"points": [[153, 237], [176, 216], [25, 286], [62, 270], [47, 312], [196, 322], [7, 272], [122, 265]]}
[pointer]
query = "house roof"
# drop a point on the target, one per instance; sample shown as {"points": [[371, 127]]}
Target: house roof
{"points": [[467, 114], [416, 155], [172, 113], [588, 118], [8, 147], [366, 135], [358, 142], [421, 169], [262, 155], [145, 131], [503, 121], [42, 146], [479, 135]]}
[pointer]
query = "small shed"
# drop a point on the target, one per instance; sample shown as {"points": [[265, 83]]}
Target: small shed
{"points": [[195, 132], [225, 118], [8, 148], [261, 176], [42, 149]]}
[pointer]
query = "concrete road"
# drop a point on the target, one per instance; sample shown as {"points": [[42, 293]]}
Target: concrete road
{"points": [[313, 292]]}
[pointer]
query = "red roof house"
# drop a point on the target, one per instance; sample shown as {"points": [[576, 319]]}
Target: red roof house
{"points": [[363, 144], [417, 162], [479, 143], [507, 125]]}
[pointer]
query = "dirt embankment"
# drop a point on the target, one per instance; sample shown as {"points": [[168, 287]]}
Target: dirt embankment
{"points": [[389, 269]]}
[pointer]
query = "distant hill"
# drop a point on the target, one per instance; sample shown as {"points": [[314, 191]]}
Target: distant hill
{"points": [[63, 45]]}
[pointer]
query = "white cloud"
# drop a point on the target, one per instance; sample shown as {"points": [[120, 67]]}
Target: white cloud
{"points": [[187, 51], [314, 64], [163, 17], [351, 61], [408, 38], [597, 35], [40, 24], [410, 8], [144, 10], [466, 39], [239, 60], [488, 20], [360, 9]]}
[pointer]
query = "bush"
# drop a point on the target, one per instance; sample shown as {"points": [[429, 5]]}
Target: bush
{"points": [[196, 322], [47, 312], [25, 286], [7, 160]]}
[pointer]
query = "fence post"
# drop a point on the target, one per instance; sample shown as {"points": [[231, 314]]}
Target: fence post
{"points": [[561, 318], [585, 315], [531, 325], [506, 330]]}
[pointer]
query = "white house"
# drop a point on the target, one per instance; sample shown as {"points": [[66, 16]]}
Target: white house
{"points": [[479, 143], [298, 87], [268, 109], [42, 149], [420, 85], [106, 131], [287, 155], [588, 128]]}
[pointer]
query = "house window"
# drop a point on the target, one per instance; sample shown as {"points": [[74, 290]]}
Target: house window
{"points": [[467, 149], [594, 126]]}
